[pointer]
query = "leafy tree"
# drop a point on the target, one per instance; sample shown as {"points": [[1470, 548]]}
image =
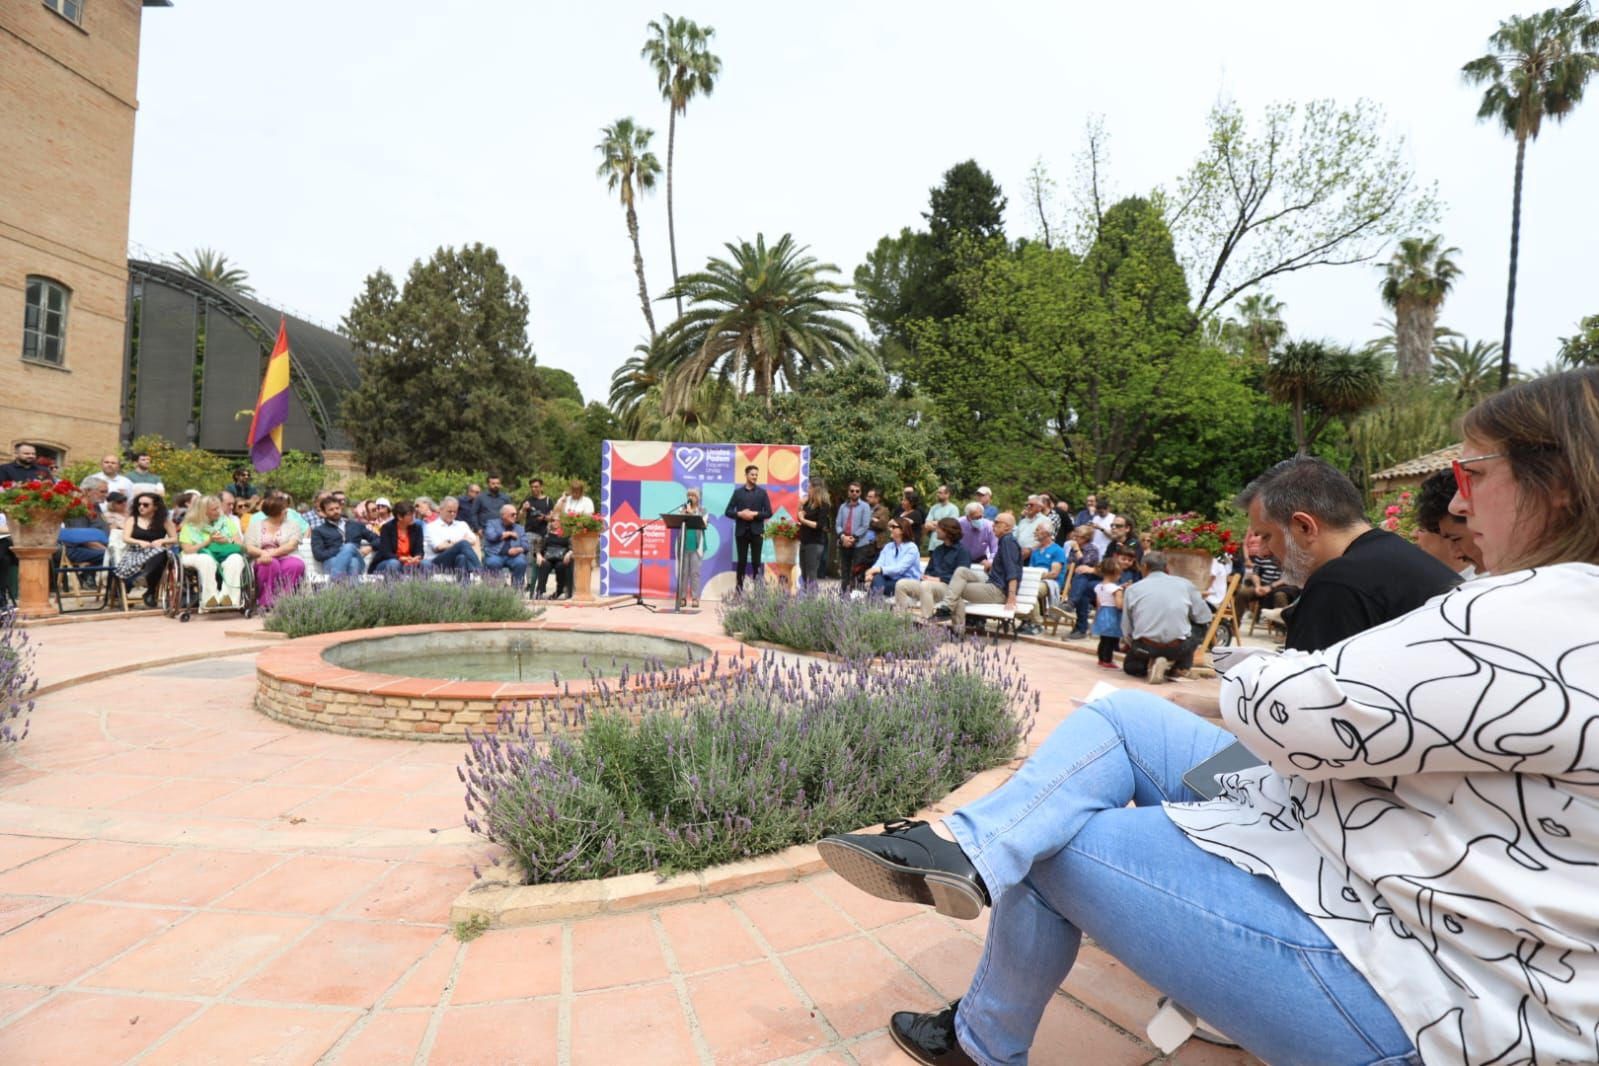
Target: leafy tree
{"points": [[859, 426], [1256, 328], [679, 52], [763, 315], [1582, 349], [1321, 382], [1468, 369], [1418, 279], [1536, 69], [447, 375], [1041, 202], [892, 286], [556, 384], [212, 266], [968, 202], [1313, 185], [630, 166]]}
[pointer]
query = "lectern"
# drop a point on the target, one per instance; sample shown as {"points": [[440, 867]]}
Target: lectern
{"points": [[680, 523]]}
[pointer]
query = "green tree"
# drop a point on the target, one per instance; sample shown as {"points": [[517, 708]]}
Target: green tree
{"points": [[1314, 185], [212, 266], [763, 316], [893, 285], [1583, 348], [629, 166], [1468, 369], [1417, 281], [1321, 382], [679, 52], [1537, 68], [447, 375], [1256, 328]]}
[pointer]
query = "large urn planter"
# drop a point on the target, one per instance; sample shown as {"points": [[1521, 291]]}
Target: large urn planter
{"points": [[41, 531], [585, 552], [1191, 564], [34, 542], [785, 554]]}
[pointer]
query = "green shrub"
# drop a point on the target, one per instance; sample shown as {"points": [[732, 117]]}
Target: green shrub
{"points": [[723, 768], [827, 622], [1135, 503], [340, 606]]}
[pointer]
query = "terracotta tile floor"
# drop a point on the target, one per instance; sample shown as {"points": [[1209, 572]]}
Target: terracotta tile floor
{"points": [[199, 884]]}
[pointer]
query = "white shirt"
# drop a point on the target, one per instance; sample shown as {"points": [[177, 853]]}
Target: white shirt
{"points": [[567, 505], [1025, 540], [439, 532], [120, 483], [1101, 524], [1432, 803], [1220, 572]]}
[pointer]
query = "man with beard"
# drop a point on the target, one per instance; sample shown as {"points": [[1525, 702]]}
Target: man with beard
{"points": [[1354, 576]]}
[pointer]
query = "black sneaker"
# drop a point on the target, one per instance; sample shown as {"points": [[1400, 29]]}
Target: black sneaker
{"points": [[908, 863], [929, 1038]]}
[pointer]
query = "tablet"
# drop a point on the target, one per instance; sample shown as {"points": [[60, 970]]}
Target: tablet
{"points": [[1229, 760]]}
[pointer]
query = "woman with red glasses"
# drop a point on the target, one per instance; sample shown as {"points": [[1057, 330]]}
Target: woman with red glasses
{"points": [[1411, 874]]}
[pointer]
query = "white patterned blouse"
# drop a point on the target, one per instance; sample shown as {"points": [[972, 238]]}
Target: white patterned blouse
{"points": [[1432, 803]]}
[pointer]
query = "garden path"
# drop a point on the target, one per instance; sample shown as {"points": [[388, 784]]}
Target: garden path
{"points": [[185, 881]]}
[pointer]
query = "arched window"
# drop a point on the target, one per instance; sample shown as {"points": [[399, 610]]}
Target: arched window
{"points": [[44, 322]]}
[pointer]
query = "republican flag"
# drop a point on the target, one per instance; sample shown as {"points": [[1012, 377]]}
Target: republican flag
{"points": [[271, 407]]}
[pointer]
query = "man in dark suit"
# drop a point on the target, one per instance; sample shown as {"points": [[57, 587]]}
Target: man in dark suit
{"points": [[750, 507]]}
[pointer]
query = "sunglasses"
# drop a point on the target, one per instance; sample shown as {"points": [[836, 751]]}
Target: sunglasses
{"points": [[1463, 476]]}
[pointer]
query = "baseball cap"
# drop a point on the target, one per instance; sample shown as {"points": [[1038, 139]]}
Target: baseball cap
{"points": [[984, 490], [383, 501]]}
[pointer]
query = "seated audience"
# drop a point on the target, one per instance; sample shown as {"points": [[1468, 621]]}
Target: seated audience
{"points": [[899, 559], [1085, 575], [998, 584], [450, 543], [1221, 574], [555, 557], [1263, 579], [210, 542], [426, 509], [271, 544], [146, 535], [341, 544], [85, 538], [1032, 515], [505, 545], [400, 544], [977, 535], [947, 557], [1051, 558]]}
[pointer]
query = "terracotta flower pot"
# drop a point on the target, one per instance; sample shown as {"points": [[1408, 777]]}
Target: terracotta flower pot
{"points": [[40, 531], [1191, 564], [785, 551]]}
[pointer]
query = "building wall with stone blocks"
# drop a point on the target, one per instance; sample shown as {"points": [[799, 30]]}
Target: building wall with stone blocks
{"points": [[67, 94]]}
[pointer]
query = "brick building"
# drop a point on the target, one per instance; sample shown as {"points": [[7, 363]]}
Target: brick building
{"points": [[68, 77]]}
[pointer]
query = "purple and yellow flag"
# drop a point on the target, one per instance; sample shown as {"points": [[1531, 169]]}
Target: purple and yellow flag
{"points": [[271, 407]]}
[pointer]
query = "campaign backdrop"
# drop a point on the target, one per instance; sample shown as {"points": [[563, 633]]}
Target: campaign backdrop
{"points": [[641, 479]]}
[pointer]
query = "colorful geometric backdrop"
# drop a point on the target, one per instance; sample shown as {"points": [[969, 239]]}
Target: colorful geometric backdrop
{"points": [[641, 479]]}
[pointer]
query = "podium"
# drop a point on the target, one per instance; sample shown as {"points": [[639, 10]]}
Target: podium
{"points": [[680, 523]]}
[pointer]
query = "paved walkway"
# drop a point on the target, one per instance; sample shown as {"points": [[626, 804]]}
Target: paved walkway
{"points": [[185, 881]]}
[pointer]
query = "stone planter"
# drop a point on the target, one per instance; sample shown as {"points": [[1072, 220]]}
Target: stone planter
{"points": [[1191, 564], [40, 531], [785, 551], [585, 552]]}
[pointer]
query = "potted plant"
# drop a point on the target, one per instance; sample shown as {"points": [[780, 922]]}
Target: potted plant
{"points": [[584, 529], [1190, 542], [34, 510], [784, 534]]}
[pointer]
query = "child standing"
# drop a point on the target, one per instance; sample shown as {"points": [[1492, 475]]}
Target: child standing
{"points": [[1107, 625]]}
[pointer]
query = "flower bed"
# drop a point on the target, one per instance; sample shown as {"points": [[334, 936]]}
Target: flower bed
{"points": [[17, 680], [742, 765], [339, 606], [818, 621]]}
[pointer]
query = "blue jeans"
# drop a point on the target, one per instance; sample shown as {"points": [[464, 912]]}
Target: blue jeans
{"points": [[883, 585], [516, 564], [458, 556], [1063, 855], [347, 563], [1081, 593]]}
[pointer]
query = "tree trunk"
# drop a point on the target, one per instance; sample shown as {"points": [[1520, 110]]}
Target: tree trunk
{"points": [[671, 220], [1413, 339], [638, 268], [1515, 243]]}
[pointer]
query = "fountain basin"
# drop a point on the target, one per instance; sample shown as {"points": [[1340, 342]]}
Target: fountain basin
{"points": [[333, 681]]}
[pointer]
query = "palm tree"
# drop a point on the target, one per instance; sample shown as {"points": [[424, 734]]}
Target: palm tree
{"points": [[1258, 327], [766, 314], [684, 68], [1537, 69], [1418, 279], [630, 165], [1470, 369], [1320, 382], [208, 265]]}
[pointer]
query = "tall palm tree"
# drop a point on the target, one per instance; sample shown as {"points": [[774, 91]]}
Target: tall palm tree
{"points": [[1320, 382], [629, 165], [765, 314], [1537, 69], [680, 52], [1258, 326], [1418, 279], [1470, 369], [212, 266]]}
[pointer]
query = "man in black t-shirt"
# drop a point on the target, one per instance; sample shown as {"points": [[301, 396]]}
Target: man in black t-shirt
{"points": [[535, 513], [1308, 515]]}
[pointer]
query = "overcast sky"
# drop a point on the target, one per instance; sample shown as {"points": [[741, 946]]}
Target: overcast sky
{"points": [[314, 142]]}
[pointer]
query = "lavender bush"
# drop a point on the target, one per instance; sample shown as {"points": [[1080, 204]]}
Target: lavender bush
{"points": [[402, 601], [828, 622], [724, 768], [17, 681]]}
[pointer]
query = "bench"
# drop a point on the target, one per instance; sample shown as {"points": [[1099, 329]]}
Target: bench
{"points": [[1026, 601]]}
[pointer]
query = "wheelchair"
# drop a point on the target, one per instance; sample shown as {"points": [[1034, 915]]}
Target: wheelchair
{"points": [[180, 590]]}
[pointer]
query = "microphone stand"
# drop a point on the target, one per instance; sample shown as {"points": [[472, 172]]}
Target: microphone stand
{"points": [[638, 556]]}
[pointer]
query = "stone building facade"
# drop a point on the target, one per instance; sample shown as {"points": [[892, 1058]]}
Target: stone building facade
{"points": [[68, 80]]}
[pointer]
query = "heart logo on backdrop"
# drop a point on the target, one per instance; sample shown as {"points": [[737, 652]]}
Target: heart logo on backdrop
{"points": [[625, 531], [691, 458]]}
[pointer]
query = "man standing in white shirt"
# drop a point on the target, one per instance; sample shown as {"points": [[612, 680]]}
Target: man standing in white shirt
{"points": [[448, 542], [1101, 520], [115, 479]]}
